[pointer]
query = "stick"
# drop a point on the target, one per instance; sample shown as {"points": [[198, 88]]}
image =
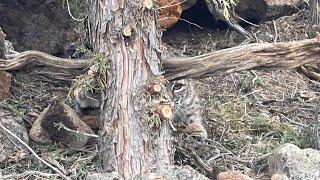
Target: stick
{"points": [[34, 153]]}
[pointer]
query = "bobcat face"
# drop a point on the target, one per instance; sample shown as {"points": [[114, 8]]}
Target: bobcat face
{"points": [[180, 90], [87, 102], [186, 114]]}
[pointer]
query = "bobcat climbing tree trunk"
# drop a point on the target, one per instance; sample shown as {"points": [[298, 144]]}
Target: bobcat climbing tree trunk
{"points": [[125, 32]]}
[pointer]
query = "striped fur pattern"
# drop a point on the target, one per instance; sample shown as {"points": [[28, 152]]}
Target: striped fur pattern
{"points": [[187, 108], [87, 102]]}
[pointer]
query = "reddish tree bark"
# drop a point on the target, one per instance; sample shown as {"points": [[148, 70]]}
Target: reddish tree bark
{"points": [[125, 143]]}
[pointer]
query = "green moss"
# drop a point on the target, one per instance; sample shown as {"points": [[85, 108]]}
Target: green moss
{"points": [[154, 122], [90, 82], [303, 138]]}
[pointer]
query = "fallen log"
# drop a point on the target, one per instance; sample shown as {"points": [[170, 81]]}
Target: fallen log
{"points": [[19, 60], [266, 56], [45, 66]]}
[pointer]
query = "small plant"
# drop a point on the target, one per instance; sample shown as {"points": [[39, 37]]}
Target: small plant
{"points": [[94, 79], [250, 81], [154, 122], [303, 138], [227, 7]]}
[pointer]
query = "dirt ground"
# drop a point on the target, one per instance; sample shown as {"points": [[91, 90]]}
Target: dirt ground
{"points": [[247, 114], [251, 113]]}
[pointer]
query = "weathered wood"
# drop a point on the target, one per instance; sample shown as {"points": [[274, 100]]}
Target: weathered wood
{"points": [[125, 142], [267, 56], [19, 60], [58, 122], [5, 84], [314, 17]]}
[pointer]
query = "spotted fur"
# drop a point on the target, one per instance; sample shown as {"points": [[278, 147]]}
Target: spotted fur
{"points": [[187, 108]]}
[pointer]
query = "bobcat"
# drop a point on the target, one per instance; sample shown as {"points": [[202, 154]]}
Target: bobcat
{"points": [[87, 102], [186, 114]]}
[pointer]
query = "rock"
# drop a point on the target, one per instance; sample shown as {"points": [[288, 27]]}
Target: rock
{"points": [[37, 25], [104, 176], [279, 177], [173, 173], [2, 45], [60, 123], [93, 121], [169, 173], [295, 163], [276, 8], [169, 14], [37, 133], [5, 84], [8, 147], [8, 47], [232, 175]]}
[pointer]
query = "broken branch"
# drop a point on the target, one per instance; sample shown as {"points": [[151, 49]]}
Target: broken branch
{"points": [[164, 111], [266, 56], [17, 61], [34, 153]]}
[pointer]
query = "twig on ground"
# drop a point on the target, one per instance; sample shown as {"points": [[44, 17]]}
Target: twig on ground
{"points": [[194, 155], [28, 173], [69, 11], [275, 32], [60, 125], [200, 162], [292, 121], [191, 23], [33, 152]]}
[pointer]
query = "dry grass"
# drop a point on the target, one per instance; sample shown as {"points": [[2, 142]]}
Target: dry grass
{"points": [[247, 115]]}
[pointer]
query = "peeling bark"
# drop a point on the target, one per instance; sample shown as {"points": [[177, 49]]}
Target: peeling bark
{"points": [[125, 143]]}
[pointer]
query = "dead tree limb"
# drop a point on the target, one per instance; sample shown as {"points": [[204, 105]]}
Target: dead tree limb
{"points": [[17, 61], [267, 56]]}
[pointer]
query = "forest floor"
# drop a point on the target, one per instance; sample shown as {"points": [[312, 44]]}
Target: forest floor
{"points": [[247, 115]]}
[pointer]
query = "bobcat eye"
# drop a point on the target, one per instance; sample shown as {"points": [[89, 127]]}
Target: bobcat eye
{"points": [[177, 86]]}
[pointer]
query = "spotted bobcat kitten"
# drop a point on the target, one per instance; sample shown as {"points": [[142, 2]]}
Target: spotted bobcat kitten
{"points": [[86, 102], [186, 114]]}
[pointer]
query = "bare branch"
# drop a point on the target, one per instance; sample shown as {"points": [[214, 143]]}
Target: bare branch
{"points": [[267, 56], [17, 61], [34, 153]]}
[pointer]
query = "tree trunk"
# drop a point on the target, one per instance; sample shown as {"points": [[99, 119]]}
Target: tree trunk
{"points": [[125, 31]]}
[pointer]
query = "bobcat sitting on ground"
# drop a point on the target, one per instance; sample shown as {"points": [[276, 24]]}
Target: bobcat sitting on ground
{"points": [[186, 114], [187, 110]]}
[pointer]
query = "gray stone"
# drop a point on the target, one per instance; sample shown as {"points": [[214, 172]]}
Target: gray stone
{"points": [[8, 47], [295, 163], [104, 176], [42, 25], [8, 144], [167, 173]]}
